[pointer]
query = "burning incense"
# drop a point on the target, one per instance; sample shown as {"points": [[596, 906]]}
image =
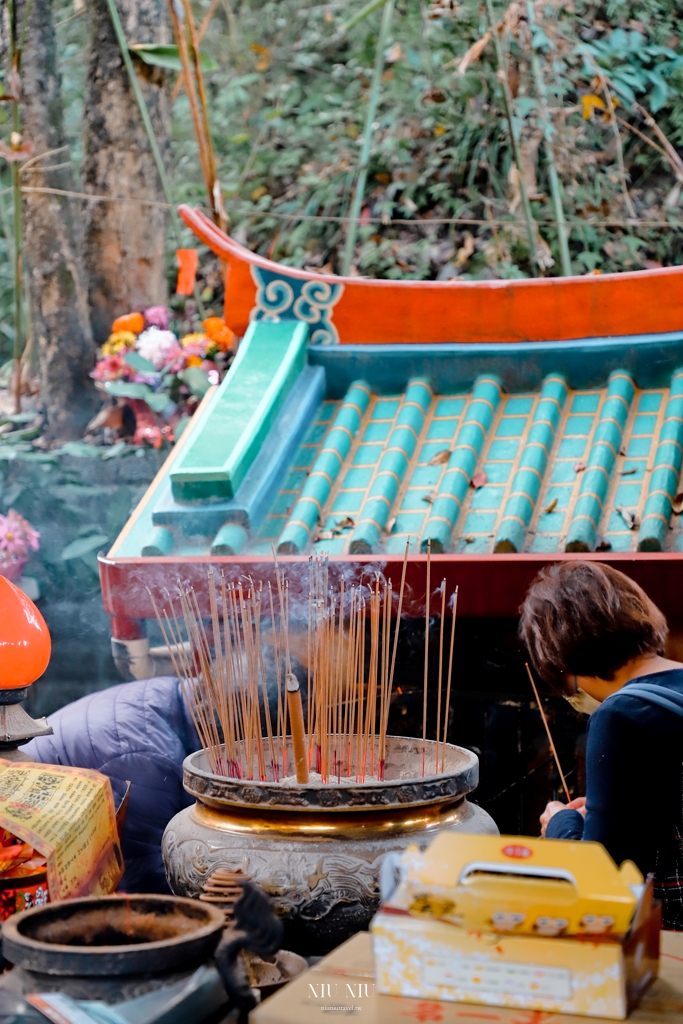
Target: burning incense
{"points": [[454, 601], [547, 729], [296, 717], [428, 596], [245, 703]]}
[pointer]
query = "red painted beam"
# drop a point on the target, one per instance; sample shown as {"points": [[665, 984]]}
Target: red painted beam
{"points": [[489, 585]]}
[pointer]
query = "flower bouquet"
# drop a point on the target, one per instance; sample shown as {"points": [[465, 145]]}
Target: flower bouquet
{"points": [[17, 538], [160, 373]]}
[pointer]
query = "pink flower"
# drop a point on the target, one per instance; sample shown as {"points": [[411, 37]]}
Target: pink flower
{"points": [[110, 368], [17, 535], [160, 347], [157, 316]]}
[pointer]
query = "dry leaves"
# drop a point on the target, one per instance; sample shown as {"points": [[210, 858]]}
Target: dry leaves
{"points": [[479, 479], [429, 498], [469, 539], [604, 545], [551, 506], [579, 467], [629, 472], [473, 54], [440, 458], [345, 523], [466, 250], [630, 518]]}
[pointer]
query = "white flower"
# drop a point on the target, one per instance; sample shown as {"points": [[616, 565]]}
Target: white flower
{"points": [[158, 346]]}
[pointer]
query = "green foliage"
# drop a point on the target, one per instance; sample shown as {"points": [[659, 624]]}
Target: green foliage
{"points": [[162, 55], [287, 108]]}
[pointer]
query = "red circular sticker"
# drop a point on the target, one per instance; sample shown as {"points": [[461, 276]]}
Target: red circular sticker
{"points": [[515, 850]]}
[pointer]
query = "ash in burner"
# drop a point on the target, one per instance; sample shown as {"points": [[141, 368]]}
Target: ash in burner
{"points": [[113, 926]]}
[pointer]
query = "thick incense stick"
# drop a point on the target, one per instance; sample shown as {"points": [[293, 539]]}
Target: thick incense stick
{"points": [[296, 717], [547, 729]]}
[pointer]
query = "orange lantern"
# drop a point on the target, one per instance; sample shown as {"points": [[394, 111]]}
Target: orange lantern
{"points": [[25, 644], [25, 649]]}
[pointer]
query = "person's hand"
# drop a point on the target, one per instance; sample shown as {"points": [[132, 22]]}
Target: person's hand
{"points": [[578, 804], [552, 808]]}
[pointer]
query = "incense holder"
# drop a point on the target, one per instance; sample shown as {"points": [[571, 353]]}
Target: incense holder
{"points": [[316, 849]]}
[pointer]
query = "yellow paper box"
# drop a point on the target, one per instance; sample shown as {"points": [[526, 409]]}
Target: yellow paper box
{"points": [[501, 921]]}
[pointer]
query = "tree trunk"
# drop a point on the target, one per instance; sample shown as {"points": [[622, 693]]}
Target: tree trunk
{"points": [[53, 240], [125, 247]]}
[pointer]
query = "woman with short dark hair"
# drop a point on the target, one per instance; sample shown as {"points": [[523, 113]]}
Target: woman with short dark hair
{"points": [[596, 637]]}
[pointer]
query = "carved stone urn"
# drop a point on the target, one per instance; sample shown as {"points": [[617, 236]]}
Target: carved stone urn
{"points": [[316, 849]]}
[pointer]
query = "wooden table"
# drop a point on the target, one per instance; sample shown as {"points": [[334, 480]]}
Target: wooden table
{"points": [[341, 986]]}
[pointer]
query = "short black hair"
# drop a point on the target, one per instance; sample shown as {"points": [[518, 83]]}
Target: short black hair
{"points": [[589, 619]]}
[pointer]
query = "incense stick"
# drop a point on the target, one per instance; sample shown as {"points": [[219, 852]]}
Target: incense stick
{"points": [[428, 596], [547, 729], [340, 731], [454, 599]]}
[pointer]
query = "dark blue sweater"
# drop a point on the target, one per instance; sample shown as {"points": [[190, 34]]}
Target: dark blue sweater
{"points": [[138, 732], [634, 774]]}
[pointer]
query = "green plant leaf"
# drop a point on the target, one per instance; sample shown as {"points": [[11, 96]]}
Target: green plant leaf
{"points": [[139, 363], [163, 55], [128, 389], [83, 545], [80, 450], [157, 401], [196, 380]]}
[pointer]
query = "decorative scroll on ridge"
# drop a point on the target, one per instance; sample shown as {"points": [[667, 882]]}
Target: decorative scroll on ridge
{"points": [[604, 450], [666, 472], [326, 467], [462, 463], [533, 463], [392, 467], [293, 298]]}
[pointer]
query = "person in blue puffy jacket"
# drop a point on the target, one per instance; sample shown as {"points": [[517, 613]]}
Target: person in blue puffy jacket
{"points": [[137, 732]]}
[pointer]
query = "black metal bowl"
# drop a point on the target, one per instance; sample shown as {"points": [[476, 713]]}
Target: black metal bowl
{"points": [[113, 935]]}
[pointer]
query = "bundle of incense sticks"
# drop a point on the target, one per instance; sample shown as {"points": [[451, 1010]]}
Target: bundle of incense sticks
{"points": [[352, 644]]}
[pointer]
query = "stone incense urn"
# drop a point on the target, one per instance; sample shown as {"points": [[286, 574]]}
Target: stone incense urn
{"points": [[316, 849]]}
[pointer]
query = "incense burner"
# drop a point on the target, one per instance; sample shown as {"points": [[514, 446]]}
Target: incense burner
{"points": [[316, 849]]}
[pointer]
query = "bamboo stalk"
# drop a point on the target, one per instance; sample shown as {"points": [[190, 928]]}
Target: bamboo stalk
{"points": [[508, 104], [373, 100], [553, 177], [181, 42]]}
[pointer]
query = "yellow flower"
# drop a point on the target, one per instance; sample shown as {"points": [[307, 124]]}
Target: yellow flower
{"points": [[118, 341]]}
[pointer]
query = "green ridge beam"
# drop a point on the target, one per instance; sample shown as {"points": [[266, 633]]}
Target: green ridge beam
{"points": [[666, 472], [308, 509], [392, 467], [583, 529], [240, 414], [462, 464], [528, 479]]}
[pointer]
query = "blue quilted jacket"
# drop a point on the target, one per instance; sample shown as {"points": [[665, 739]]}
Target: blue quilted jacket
{"points": [[138, 732]]}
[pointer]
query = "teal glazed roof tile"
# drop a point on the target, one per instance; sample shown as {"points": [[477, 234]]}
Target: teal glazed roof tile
{"points": [[650, 402], [366, 458]]}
